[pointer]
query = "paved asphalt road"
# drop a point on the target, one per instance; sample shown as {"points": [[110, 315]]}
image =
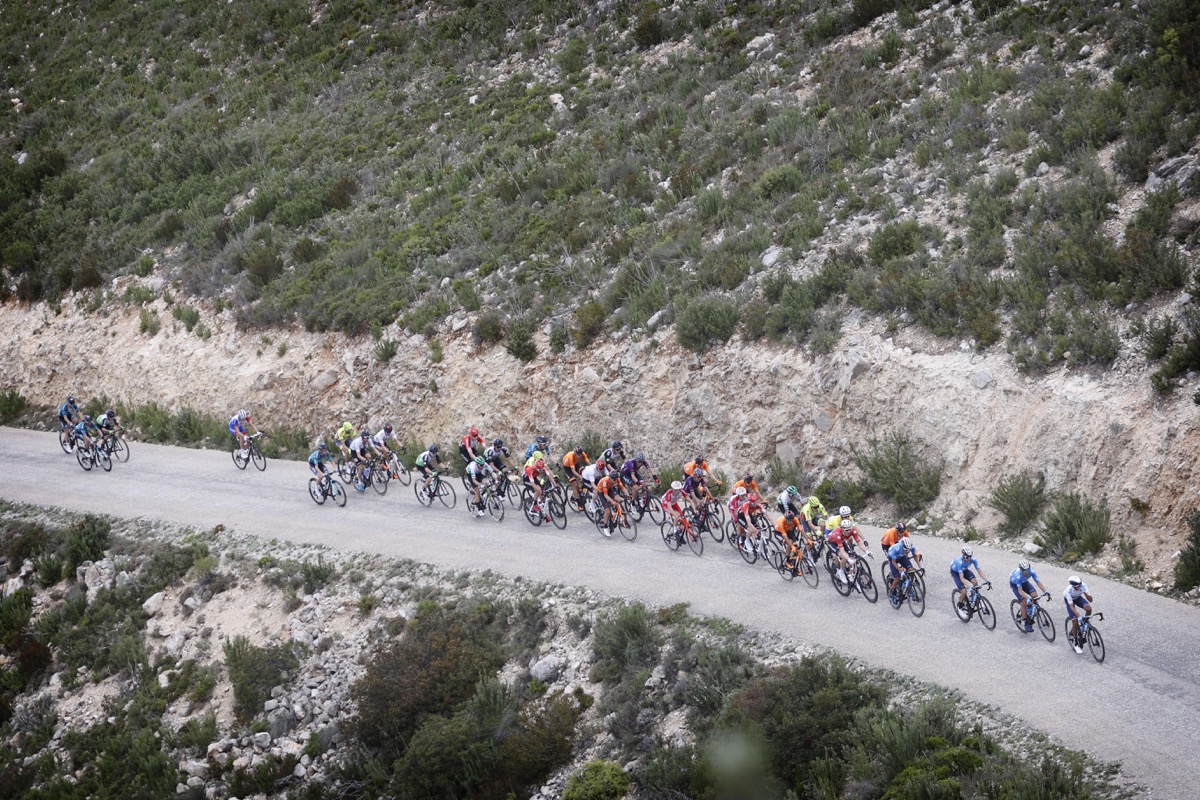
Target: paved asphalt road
{"points": [[1140, 707]]}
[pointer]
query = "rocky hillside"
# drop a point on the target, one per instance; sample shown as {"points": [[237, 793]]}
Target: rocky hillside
{"points": [[147, 661]]}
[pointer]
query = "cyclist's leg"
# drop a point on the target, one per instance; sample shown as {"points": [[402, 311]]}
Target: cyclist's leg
{"points": [[961, 597]]}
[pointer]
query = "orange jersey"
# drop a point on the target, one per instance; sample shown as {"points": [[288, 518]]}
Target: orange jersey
{"points": [[572, 461], [691, 466], [890, 537], [751, 487], [783, 527], [605, 484]]}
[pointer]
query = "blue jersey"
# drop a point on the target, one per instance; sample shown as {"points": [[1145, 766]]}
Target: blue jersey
{"points": [[896, 552], [68, 410], [235, 425], [962, 564], [318, 457], [1017, 578], [83, 429]]}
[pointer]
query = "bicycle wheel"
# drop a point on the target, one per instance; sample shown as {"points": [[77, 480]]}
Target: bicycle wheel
{"points": [[1014, 608], [85, 458], [808, 571], [986, 613], [715, 528], [445, 493], [401, 471], [238, 459], [1045, 624], [773, 552], [66, 441], [695, 540], [669, 535], [495, 506], [962, 612], [842, 587], [337, 493], [628, 526], [345, 473], [591, 509], [512, 493], [746, 547], [916, 597], [314, 491], [120, 449], [532, 514], [654, 510], [423, 493], [558, 512], [256, 455], [867, 585], [1095, 644], [379, 479]]}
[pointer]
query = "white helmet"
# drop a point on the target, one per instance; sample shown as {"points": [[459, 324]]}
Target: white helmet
{"points": [[741, 491], [907, 543], [844, 511], [847, 524], [242, 415], [677, 485]]}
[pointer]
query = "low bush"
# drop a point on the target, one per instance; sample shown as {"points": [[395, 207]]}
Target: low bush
{"points": [[488, 328], [626, 639], [12, 405], [187, 315], [895, 470], [520, 343], [87, 540], [706, 321], [589, 323], [148, 322], [254, 671], [386, 349], [1075, 527], [599, 780], [1020, 498], [1187, 568]]}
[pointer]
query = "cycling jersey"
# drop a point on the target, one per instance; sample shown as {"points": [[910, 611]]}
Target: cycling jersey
{"points": [[613, 456], [380, 439], [496, 453], [690, 484], [810, 512], [235, 425], [890, 537], [785, 528], [533, 474], [317, 457], [82, 429], [629, 470], [963, 564], [105, 421], [357, 446], [1017, 578], [672, 499], [605, 485], [344, 433], [68, 410], [591, 473], [897, 552], [478, 471], [573, 462], [692, 466], [536, 448], [752, 486], [1075, 593], [427, 459]]}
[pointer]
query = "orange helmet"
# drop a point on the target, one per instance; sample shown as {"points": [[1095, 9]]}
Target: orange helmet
{"points": [[540, 463], [474, 431]]}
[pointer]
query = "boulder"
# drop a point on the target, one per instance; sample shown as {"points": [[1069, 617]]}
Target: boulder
{"points": [[1031, 549], [324, 380], [983, 379], [548, 669]]}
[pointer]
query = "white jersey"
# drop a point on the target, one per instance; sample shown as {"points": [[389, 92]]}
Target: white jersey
{"points": [[380, 439], [357, 445], [785, 499], [590, 473], [1073, 593]]}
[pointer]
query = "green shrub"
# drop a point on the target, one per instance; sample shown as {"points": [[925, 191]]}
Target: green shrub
{"points": [[49, 569], [12, 405], [488, 328], [895, 469], [15, 612], [1075, 527], [589, 323], [254, 671], [1158, 337], [1020, 498], [148, 322], [625, 639], [199, 732], [573, 56], [599, 780], [315, 575], [187, 315], [1187, 568], [706, 321], [87, 539], [520, 340], [386, 349]]}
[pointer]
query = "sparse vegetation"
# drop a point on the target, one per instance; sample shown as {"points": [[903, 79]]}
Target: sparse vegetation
{"points": [[1075, 527], [1187, 569], [895, 469], [1020, 498]]}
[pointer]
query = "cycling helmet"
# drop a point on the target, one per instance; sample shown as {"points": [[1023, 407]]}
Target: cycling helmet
{"points": [[748, 478], [541, 439], [71, 399], [639, 456], [847, 524], [365, 433], [480, 460], [677, 486], [612, 473], [387, 428], [578, 451], [1075, 580], [968, 552], [601, 464], [700, 458], [907, 543], [845, 511], [497, 442], [540, 463], [1023, 565], [700, 472], [433, 448], [616, 445], [793, 491], [741, 491], [87, 417], [789, 515], [901, 527], [324, 448], [110, 412], [538, 454], [242, 414], [474, 431], [814, 501]]}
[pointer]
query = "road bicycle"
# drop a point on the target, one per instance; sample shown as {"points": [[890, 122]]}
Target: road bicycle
{"points": [[911, 589], [687, 530], [66, 438], [620, 519], [375, 475], [438, 488], [509, 488], [324, 488], [547, 508], [91, 455], [253, 453], [1087, 633], [805, 566], [976, 605], [396, 470], [858, 575], [115, 445], [1036, 614], [490, 501]]}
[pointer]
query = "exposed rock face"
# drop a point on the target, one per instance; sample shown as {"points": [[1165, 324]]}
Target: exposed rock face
{"points": [[1107, 435]]}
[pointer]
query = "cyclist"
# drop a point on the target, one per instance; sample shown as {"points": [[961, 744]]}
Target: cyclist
{"points": [[237, 429], [498, 455], [748, 483], [427, 463], [811, 514], [540, 445], [696, 463], [538, 476], [108, 421], [68, 414], [84, 430], [960, 571], [672, 503], [834, 522], [739, 513], [1021, 581], [479, 472], [695, 487], [1076, 596], [317, 461], [900, 560], [615, 454], [788, 528], [893, 535], [361, 450], [590, 475], [788, 500], [471, 445], [380, 441], [838, 538], [573, 464], [606, 490], [342, 437], [631, 472]]}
